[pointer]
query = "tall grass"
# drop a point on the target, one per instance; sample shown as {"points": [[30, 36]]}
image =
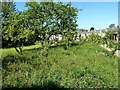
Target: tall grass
{"points": [[80, 66]]}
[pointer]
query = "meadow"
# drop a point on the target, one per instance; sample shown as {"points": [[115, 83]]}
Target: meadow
{"points": [[80, 66], [65, 58]]}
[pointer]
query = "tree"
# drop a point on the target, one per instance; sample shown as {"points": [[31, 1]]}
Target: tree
{"points": [[112, 26], [52, 18], [92, 28], [109, 34], [40, 22], [67, 16], [5, 11], [118, 26], [14, 27], [7, 8], [15, 31]]}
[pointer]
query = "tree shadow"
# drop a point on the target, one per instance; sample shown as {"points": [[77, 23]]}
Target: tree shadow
{"points": [[49, 86], [53, 46], [7, 59], [25, 57]]}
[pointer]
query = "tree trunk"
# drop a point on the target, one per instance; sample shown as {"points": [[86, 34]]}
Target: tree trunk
{"points": [[20, 48], [16, 49]]}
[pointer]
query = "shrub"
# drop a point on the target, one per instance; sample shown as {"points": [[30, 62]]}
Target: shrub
{"points": [[94, 38]]}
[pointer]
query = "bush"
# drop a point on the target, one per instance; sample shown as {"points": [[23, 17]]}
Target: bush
{"points": [[119, 46], [94, 38]]}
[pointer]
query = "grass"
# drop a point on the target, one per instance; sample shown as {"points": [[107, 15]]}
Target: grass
{"points": [[12, 51], [80, 66]]}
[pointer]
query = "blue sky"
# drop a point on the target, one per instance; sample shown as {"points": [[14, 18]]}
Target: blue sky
{"points": [[95, 14]]}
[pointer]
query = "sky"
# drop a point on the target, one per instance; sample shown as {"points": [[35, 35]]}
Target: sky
{"points": [[97, 14], [94, 14]]}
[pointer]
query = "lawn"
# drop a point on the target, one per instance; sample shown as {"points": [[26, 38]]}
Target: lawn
{"points": [[12, 51], [87, 65]]}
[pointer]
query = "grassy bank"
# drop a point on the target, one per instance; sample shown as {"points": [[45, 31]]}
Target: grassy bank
{"points": [[86, 65]]}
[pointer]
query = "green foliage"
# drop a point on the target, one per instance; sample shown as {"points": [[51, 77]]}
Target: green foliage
{"points": [[38, 23], [112, 44], [16, 32], [80, 67], [94, 38], [109, 34], [109, 40], [104, 40], [52, 18], [6, 8], [118, 45]]}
